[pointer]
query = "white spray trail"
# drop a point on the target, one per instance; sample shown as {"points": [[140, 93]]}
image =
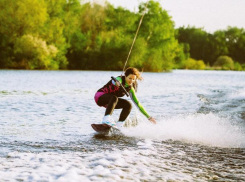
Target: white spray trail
{"points": [[204, 129]]}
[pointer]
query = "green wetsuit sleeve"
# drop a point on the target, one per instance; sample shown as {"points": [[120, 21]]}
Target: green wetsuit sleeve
{"points": [[137, 103]]}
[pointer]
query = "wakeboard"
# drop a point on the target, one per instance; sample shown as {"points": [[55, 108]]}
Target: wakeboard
{"points": [[101, 128], [104, 129]]}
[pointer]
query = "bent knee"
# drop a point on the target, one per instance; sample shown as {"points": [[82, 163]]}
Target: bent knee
{"points": [[128, 105]]}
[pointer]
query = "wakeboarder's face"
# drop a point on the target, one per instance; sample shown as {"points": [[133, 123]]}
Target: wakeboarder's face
{"points": [[130, 79]]}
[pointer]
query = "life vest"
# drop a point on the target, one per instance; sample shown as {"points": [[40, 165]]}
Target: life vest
{"points": [[113, 89]]}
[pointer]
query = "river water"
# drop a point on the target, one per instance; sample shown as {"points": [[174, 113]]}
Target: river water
{"points": [[45, 132]]}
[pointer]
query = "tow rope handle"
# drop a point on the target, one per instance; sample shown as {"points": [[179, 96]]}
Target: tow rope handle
{"points": [[115, 80]]}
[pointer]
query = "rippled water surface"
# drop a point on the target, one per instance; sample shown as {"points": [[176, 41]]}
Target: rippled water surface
{"points": [[45, 132]]}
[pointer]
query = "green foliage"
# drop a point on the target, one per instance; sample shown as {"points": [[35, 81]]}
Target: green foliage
{"points": [[182, 54], [54, 30], [224, 63], [193, 64], [220, 44], [139, 53], [34, 53], [18, 18], [37, 18], [61, 34], [200, 65], [235, 39], [199, 43], [158, 31], [106, 35], [237, 67], [209, 47], [153, 63]]}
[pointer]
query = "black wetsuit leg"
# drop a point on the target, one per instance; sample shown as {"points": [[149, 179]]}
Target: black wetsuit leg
{"points": [[113, 102]]}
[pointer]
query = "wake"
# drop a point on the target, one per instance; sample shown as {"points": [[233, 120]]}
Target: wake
{"points": [[207, 129]]}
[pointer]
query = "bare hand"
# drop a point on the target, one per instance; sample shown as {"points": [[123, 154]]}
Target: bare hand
{"points": [[117, 83], [152, 120]]}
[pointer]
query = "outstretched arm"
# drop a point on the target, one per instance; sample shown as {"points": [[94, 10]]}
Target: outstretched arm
{"points": [[139, 106]]}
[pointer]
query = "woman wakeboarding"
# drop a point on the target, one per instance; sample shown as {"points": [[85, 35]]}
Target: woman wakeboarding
{"points": [[109, 96]]}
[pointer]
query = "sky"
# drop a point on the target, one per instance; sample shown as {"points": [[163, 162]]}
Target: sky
{"points": [[211, 15]]}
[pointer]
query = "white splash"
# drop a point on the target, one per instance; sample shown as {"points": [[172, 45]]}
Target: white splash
{"points": [[206, 129], [240, 94]]}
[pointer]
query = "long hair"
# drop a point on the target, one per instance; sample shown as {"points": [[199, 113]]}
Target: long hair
{"points": [[134, 71]]}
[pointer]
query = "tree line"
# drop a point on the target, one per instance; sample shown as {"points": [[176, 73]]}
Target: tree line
{"points": [[68, 34], [224, 49]]}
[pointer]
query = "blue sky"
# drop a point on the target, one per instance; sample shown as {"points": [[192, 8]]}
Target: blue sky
{"points": [[211, 15]]}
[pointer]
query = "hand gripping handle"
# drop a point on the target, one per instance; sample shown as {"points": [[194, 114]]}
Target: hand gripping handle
{"points": [[115, 80]]}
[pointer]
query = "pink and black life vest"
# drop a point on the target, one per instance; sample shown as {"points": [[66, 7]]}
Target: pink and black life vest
{"points": [[112, 89]]}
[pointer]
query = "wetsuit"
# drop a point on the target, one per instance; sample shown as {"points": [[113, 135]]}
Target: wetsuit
{"points": [[108, 96]]}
